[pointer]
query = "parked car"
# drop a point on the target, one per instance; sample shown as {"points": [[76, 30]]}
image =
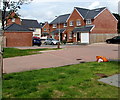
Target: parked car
{"points": [[51, 41], [115, 39], [36, 41]]}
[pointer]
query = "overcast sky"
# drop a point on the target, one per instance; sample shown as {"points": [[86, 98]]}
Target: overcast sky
{"points": [[46, 10]]}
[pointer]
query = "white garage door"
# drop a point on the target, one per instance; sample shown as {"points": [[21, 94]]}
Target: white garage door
{"points": [[84, 37]]}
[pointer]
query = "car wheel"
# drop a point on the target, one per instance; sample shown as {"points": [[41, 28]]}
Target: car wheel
{"points": [[39, 44], [52, 43], [108, 42], [45, 43]]}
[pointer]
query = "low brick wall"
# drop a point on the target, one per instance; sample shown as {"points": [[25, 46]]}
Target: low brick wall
{"points": [[95, 38], [18, 39]]}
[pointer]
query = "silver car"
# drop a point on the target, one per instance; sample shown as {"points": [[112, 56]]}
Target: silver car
{"points": [[51, 41]]}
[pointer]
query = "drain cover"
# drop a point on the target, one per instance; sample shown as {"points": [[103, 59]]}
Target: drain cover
{"points": [[78, 59]]}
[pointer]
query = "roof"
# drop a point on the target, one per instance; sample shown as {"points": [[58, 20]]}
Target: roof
{"points": [[82, 11], [45, 33], [89, 14], [60, 19], [86, 28], [16, 28], [41, 24], [29, 23], [57, 31]]}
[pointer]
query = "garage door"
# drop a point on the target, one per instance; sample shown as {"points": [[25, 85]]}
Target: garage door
{"points": [[84, 37]]}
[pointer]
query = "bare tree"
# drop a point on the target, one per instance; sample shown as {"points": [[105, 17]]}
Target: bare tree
{"points": [[9, 6], [12, 6]]}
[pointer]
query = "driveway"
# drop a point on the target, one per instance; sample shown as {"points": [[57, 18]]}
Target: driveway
{"points": [[70, 54]]}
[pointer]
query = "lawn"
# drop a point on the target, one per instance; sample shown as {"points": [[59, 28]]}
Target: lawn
{"points": [[73, 81], [13, 52]]}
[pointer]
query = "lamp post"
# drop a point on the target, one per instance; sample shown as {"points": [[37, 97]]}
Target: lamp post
{"points": [[58, 26]]}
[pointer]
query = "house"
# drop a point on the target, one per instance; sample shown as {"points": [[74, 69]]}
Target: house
{"points": [[59, 27], [45, 31], [84, 26], [19, 32], [33, 25], [15, 34], [12, 18]]}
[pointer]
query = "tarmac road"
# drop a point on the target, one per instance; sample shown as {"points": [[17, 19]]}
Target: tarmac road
{"points": [[70, 54]]}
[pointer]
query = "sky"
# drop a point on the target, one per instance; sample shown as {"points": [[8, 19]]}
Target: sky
{"points": [[46, 10]]}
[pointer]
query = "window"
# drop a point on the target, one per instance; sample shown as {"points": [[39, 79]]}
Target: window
{"points": [[54, 25], [45, 29], [65, 24], [78, 22], [13, 20], [71, 23], [88, 21]]}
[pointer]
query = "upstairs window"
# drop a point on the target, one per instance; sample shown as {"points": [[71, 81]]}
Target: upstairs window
{"points": [[54, 25], [88, 21], [78, 23], [71, 23], [65, 25], [45, 29], [13, 20]]}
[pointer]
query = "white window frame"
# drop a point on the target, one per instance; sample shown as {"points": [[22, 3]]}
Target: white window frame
{"points": [[71, 23], [88, 21], [54, 25], [45, 29], [13, 19], [65, 24], [78, 23]]}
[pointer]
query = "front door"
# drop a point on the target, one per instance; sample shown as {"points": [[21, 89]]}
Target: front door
{"points": [[78, 37], [61, 37]]}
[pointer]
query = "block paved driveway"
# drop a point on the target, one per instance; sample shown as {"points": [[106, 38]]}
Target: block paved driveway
{"points": [[67, 56]]}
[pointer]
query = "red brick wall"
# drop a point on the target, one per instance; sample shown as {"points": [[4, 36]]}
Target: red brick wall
{"points": [[17, 20], [16, 39], [105, 23], [46, 26], [74, 17]]}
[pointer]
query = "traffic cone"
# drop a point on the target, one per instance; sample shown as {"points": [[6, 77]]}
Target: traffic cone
{"points": [[101, 59]]}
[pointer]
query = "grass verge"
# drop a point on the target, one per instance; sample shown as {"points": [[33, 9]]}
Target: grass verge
{"points": [[74, 81], [13, 52]]}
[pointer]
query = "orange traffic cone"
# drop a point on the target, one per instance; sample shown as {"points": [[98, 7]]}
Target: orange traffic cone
{"points": [[101, 59]]}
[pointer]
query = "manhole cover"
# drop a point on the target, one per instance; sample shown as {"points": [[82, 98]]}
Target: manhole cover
{"points": [[78, 59]]}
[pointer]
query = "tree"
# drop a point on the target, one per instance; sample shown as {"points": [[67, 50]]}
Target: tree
{"points": [[12, 6], [9, 6]]}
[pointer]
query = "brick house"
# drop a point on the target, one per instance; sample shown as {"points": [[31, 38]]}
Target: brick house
{"points": [[45, 31], [84, 25], [33, 25], [19, 32]]}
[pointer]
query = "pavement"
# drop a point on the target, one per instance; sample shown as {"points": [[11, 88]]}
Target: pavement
{"points": [[70, 54], [112, 80]]}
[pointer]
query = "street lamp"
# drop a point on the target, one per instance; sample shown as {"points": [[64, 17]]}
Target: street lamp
{"points": [[58, 27]]}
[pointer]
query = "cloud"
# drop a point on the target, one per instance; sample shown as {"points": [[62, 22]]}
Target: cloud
{"points": [[94, 5], [47, 10], [119, 8]]}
